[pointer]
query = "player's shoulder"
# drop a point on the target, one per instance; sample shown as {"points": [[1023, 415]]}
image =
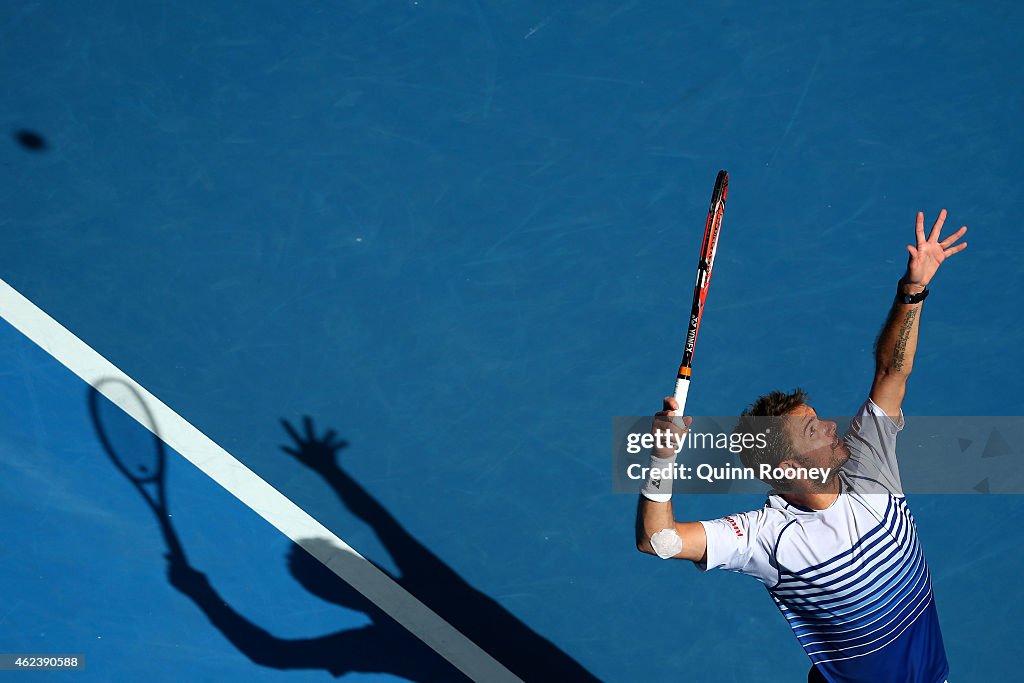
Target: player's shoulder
{"points": [[782, 516], [871, 414], [771, 517], [775, 522], [752, 524]]}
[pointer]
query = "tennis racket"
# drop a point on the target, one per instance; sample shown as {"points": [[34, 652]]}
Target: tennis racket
{"points": [[143, 465], [708, 249]]}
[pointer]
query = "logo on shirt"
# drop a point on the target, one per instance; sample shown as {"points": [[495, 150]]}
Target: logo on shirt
{"points": [[734, 525]]}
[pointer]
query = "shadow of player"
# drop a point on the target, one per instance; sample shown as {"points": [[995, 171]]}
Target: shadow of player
{"points": [[382, 646]]}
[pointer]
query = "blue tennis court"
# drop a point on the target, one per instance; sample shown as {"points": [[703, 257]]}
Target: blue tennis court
{"points": [[379, 276]]}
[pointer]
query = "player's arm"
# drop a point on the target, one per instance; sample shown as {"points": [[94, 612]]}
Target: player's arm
{"points": [[656, 518], [897, 342], [651, 518]]}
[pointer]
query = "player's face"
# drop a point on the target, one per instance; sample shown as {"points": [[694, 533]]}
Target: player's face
{"points": [[817, 441]]}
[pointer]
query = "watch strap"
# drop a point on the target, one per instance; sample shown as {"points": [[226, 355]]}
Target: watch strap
{"points": [[913, 298]]}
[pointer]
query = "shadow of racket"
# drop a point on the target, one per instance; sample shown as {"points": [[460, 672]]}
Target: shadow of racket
{"points": [[143, 465]]}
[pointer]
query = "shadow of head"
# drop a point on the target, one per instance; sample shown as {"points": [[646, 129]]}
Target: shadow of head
{"points": [[311, 573]]}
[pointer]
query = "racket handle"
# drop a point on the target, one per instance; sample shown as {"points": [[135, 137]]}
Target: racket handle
{"points": [[682, 389]]}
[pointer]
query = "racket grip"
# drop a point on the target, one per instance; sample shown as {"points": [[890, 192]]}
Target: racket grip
{"points": [[682, 389]]}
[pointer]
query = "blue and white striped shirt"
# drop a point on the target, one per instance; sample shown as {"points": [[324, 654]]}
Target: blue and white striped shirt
{"points": [[851, 580]]}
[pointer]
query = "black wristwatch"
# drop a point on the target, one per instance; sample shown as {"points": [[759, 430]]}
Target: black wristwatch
{"points": [[912, 298]]}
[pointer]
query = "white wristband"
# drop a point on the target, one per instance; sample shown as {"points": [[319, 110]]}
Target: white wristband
{"points": [[658, 485]]}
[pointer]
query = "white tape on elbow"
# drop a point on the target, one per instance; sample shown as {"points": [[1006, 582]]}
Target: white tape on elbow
{"points": [[666, 543]]}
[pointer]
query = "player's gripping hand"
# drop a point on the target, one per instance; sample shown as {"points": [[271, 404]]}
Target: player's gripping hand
{"points": [[667, 419]]}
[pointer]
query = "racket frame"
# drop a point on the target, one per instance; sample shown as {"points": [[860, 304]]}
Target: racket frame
{"points": [[157, 503], [705, 266]]}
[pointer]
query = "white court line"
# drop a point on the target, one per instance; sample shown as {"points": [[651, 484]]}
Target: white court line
{"points": [[244, 484]]}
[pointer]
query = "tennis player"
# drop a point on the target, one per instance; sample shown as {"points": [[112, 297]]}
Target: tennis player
{"points": [[839, 555]]}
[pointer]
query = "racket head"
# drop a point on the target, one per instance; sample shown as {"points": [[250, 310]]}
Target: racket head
{"points": [[709, 248], [705, 267], [713, 225], [137, 453]]}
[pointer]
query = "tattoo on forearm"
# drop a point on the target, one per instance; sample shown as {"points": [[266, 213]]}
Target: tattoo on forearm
{"points": [[901, 341]]}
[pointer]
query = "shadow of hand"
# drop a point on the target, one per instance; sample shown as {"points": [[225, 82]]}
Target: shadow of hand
{"points": [[183, 577], [318, 454]]}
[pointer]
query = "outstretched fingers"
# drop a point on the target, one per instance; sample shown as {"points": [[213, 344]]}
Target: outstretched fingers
{"points": [[937, 228], [953, 238], [955, 250], [291, 431]]}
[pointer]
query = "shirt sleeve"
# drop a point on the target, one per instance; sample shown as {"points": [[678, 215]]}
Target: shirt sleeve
{"points": [[871, 441], [735, 543]]}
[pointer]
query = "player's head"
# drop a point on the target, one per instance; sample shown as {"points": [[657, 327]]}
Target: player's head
{"points": [[795, 436], [816, 442]]}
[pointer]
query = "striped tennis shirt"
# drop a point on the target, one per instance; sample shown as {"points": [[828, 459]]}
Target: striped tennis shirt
{"points": [[851, 579]]}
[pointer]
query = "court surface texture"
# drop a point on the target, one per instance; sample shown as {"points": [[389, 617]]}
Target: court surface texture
{"points": [[461, 236]]}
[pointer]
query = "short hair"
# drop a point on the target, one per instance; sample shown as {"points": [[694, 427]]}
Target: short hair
{"points": [[766, 414]]}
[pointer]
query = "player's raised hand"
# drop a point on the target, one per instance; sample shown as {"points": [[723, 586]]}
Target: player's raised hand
{"points": [[929, 253]]}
